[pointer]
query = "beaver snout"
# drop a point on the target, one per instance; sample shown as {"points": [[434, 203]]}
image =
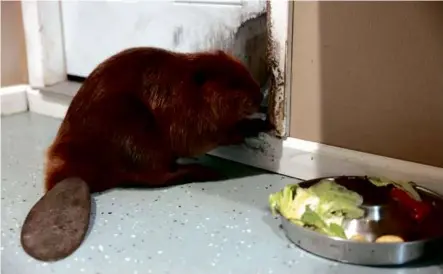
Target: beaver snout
{"points": [[253, 103]]}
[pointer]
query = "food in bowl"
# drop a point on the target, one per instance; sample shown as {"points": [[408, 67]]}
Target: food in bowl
{"points": [[321, 207], [358, 238], [325, 206], [389, 239]]}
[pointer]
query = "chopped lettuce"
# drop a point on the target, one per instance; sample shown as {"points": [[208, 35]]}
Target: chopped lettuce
{"points": [[321, 207], [336, 230], [313, 220], [282, 201], [302, 200], [405, 186], [337, 201]]}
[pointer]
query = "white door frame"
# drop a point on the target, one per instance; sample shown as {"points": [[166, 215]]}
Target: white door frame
{"points": [[288, 156], [42, 23]]}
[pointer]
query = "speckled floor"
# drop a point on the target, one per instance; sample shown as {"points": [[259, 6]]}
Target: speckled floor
{"points": [[221, 227]]}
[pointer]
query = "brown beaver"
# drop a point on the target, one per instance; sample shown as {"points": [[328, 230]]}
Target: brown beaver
{"points": [[134, 116]]}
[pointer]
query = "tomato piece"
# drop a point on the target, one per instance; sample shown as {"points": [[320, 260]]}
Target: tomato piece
{"points": [[419, 210]]}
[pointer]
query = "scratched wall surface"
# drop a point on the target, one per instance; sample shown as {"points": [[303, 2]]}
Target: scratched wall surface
{"points": [[249, 45], [94, 31]]}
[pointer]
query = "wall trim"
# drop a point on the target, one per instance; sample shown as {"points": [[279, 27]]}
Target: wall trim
{"points": [[48, 104], [13, 99], [306, 160], [279, 50], [291, 157], [45, 51], [288, 65]]}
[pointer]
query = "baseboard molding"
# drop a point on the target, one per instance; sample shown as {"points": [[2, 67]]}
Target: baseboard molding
{"points": [[292, 157], [13, 99], [47, 103], [306, 160]]}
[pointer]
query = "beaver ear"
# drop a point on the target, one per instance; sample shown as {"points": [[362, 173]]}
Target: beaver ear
{"points": [[220, 52]]}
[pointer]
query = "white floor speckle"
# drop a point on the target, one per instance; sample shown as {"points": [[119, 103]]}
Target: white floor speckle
{"points": [[218, 227]]}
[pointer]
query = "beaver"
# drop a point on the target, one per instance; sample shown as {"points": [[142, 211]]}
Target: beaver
{"points": [[134, 116]]}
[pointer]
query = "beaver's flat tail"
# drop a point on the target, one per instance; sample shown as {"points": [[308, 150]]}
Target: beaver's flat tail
{"points": [[57, 224]]}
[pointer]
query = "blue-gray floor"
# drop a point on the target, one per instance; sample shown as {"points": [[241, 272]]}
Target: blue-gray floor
{"points": [[221, 227]]}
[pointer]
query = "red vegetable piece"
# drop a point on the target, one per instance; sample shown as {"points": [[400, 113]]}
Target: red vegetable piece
{"points": [[419, 210]]}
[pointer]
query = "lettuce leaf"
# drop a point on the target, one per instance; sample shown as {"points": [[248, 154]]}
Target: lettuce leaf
{"points": [[405, 186], [282, 201], [312, 219], [337, 201], [321, 207]]}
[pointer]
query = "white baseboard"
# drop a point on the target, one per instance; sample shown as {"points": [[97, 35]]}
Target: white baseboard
{"points": [[49, 104], [292, 157], [307, 160], [13, 99]]}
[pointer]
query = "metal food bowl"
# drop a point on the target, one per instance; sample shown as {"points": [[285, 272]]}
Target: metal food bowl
{"points": [[382, 217]]}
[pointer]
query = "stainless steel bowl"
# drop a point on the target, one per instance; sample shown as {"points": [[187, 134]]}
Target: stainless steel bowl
{"points": [[380, 219]]}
